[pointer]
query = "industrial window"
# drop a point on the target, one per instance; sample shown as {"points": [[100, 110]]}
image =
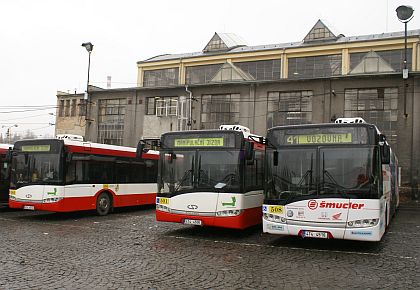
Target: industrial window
{"points": [[219, 109], [73, 108], [67, 109], [82, 107], [289, 108], [61, 109], [111, 121], [394, 58], [162, 106], [215, 44], [378, 106], [314, 66], [319, 33], [201, 74], [161, 77], [261, 70]]}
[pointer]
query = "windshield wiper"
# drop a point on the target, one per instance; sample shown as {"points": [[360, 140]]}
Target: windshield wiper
{"points": [[325, 184], [188, 174]]}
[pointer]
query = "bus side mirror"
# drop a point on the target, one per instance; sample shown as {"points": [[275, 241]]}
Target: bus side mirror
{"points": [[9, 155], [249, 150], [385, 150], [385, 154], [141, 149], [276, 158]]}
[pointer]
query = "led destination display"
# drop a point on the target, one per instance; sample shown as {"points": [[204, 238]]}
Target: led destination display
{"points": [[319, 139]]}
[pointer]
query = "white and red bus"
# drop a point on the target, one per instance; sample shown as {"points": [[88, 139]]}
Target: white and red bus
{"points": [[335, 181], [211, 178], [4, 173], [63, 175]]}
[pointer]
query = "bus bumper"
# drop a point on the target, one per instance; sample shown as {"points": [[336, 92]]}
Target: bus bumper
{"points": [[64, 205], [247, 218], [372, 234]]}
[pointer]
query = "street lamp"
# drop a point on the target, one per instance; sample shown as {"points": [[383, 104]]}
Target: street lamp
{"points": [[8, 133], [405, 14], [89, 48]]}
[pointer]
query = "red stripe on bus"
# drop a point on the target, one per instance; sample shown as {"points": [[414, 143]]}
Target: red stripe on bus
{"points": [[249, 217], [70, 204]]}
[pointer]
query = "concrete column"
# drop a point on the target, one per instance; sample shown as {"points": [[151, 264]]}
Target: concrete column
{"points": [[285, 66], [140, 75], [182, 72], [345, 61]]}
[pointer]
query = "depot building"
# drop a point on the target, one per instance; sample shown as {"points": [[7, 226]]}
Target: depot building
{"points": [[324, 76]]}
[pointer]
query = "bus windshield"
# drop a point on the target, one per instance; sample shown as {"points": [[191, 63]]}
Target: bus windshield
{"points": [[199, 170], [35, 168], [347, 170], [294, 175], [334, 171]]}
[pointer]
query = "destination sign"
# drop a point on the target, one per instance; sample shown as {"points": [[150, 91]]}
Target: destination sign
{"points": [[36, 148], [199, 142], [329, 138]]}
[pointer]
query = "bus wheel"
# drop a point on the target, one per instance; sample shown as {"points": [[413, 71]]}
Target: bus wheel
{"points": [[103, 204]]}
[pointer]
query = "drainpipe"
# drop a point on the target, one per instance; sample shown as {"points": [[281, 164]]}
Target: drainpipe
{"points": [[189, 123]]}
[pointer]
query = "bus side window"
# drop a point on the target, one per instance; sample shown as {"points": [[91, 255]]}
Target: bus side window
{"points": [[79, 171], [71, 172]]}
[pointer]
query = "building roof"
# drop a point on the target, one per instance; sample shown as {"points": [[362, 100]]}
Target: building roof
{"points": [[340, 40]]}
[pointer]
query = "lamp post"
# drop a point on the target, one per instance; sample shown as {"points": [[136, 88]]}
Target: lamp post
{"points": [[89, 48], [405, 14], [8, 133]]}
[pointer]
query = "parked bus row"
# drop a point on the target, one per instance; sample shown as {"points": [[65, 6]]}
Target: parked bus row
{"points": [[335, 180]]}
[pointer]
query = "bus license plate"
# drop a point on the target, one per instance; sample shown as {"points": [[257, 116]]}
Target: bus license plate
{"points": [[192, 222], [29, 207], [319, 235]]}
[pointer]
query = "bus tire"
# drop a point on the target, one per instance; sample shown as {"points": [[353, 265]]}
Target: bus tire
{"points": [[103, 204]]}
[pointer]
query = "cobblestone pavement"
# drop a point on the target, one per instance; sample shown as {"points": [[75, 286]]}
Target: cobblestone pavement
{"points": [[129, 249]]}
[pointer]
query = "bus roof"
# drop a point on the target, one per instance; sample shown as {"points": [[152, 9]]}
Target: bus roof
{"points": [[325, 125], [85, 147], [106, 149]]}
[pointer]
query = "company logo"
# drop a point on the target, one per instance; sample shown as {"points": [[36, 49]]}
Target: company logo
{"points": [[290, 213], [312, 204], [301, 213], [28, 195], [192, 206], [345, 205], [337, 216], [52, 192], [233, 203]]}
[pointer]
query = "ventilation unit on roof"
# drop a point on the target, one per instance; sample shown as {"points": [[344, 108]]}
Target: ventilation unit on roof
{"points": [[349, 120], [69, 137], [235, 128]]}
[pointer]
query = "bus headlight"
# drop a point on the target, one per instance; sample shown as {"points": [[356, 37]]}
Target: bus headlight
{"points": [[364, 223], [163, 208], [230, 212], [12, 197], [274, 218], [51, 199]]}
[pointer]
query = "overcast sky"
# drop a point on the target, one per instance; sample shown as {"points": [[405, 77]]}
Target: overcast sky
{"points": [[41, 53]]}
